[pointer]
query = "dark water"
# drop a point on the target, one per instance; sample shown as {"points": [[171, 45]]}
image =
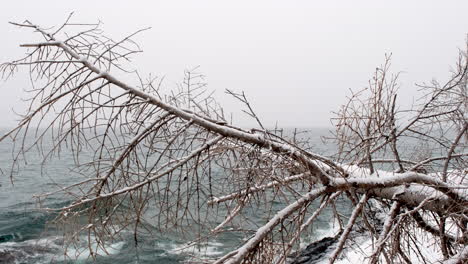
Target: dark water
{"points": [[26, 236]]}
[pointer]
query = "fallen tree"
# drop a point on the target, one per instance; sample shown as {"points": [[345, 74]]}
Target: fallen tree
{"points": [[170, 159]]}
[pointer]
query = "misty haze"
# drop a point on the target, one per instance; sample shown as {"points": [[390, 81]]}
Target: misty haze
{"points": [[218, 132]]}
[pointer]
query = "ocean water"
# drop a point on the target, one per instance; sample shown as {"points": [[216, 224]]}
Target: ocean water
{"points": [[27, 236]]}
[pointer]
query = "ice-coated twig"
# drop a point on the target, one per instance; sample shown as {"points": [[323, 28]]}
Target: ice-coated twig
{"points": [[348, 228], [389, 221]]}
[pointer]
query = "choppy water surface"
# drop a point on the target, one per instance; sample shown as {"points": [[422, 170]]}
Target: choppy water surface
{"points": [[25, 236]]}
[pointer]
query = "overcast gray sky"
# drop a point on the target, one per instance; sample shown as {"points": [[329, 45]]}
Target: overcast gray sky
{"points": [[295, 60]]}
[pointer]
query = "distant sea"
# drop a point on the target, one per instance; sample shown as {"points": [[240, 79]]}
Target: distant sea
{"points": [[26, 236]]}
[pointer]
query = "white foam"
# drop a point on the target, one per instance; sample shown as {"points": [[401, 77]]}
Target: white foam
{"points": [[40, 250], [320, 233], [51, 248], [84, 252], [208, 249]]}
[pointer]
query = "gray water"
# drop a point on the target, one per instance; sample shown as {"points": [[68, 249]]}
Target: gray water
{"points": [[26, 236]]}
